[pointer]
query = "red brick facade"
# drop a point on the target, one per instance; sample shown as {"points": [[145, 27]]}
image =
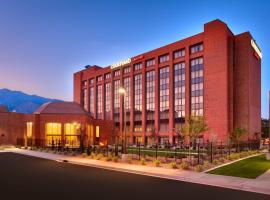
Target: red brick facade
{"points": [[231, 83]]}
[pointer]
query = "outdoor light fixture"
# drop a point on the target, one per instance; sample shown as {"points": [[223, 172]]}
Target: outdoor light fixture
{"points": [[122, 90]]}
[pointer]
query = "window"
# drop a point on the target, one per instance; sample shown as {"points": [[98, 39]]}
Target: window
{"points": [[53, 134], [137, 66], [164, 58], [150, 62], [179, 94], [92, 81], [126, 70], [164, 96], [150, 100], [97, 131], [53, 128], [196, 48], [84, 99], [116, 101], [29, 129], [117, 73], [108, 75], [84, 83], [108, 101], [72, 134], [137, 102], [99, 102], [179, 53], [197, 87], [99, 78], [91, 99], [127, 101]]}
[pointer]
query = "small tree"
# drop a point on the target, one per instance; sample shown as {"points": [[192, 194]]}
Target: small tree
{"points": [[194, 127], [237, 134]]}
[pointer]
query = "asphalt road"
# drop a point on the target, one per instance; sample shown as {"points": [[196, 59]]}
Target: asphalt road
{"points": [[24, 177]]}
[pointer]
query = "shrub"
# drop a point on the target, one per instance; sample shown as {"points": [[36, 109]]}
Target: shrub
{"points": [[84, 155], [99, 156], [73, 154], [233, 156], [199, 168], [92, 156], [173, 165], [129, 159], [108, 158], [206, 164], [143, 161], [215, 162], [243, 154], [156, 162], [221, 160], [115, 159], [184, 165]]}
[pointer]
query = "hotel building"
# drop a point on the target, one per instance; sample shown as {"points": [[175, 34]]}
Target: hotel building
{"points": [[214, 74]]}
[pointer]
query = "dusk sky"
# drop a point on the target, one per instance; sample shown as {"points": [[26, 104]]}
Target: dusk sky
{"points": [[42, 43]]}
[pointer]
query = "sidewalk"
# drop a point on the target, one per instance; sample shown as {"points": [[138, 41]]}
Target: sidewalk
{"points": [[259, 185]]}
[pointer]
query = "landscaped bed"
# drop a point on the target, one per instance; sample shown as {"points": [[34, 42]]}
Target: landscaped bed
{"points": [[247, 168]]}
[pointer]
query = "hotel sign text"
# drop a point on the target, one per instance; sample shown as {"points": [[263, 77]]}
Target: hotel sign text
{"points": [[121, 63]]}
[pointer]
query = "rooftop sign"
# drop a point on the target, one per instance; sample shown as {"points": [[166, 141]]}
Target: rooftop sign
{"points": [[256, 48], [121, 63]]}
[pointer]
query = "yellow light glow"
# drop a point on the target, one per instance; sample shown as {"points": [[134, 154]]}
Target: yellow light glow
{"points": [[97, 131], [29, 129], [122, 90]]}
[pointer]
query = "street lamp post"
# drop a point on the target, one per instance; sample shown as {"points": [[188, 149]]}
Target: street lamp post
{"points": [[122, 91]]}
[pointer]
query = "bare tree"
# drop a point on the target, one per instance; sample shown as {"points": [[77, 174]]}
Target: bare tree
{"points": [[237, 135]]}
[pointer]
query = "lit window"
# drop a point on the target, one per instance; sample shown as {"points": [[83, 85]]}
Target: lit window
{"points": [[99, 102], [91, 99], [97, 131], [29, 129]]}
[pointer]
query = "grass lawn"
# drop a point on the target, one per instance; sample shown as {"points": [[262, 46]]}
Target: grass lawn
{"points": [[247, 168]]}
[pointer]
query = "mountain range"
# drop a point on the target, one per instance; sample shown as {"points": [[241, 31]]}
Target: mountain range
{"points": [[17, 101]]}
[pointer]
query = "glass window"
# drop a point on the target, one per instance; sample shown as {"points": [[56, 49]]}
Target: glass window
{"points": [[150, 62], [116, 101], [99, 102], [97, 131], [197, 87], [99, 78], [150, 100], [137, 102], [29, 129], [108, 100], [92, 81], [126, 70], [137, 66], [84, 99], [53, 134], [179, 94], [117, 73], [179, 53], [164, 78], [108, 75], [164, 58], [91, 99], [196, 48]]}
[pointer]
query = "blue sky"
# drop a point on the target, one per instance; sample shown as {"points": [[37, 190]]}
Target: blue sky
{"points": [[43, 42]]}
